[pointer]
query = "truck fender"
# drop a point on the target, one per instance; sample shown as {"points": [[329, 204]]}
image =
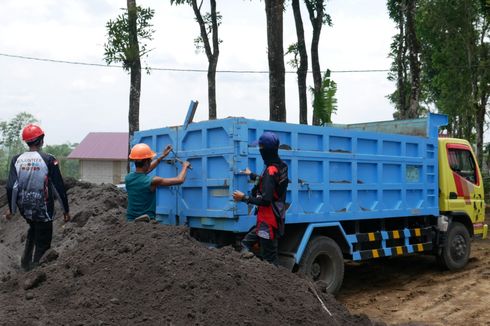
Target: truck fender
{"points": [[330, 229], [463, 218]]}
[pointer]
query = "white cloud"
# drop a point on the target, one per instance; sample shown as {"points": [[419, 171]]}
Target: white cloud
{"points": [[74, 100]]}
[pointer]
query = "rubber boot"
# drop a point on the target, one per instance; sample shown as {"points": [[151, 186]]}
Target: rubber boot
{"points": [[26, 260]]}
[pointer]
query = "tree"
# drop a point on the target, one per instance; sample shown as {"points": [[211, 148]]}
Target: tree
{"points": [[325, 103], [208, 25], [299, 50], [277, 96], [126, 44], [413, 47], [405, 51], [69, 168], [10, 140], [455, 60], [318, 18]]}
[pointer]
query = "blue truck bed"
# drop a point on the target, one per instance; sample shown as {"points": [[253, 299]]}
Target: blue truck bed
{"points": [[337, 173]]}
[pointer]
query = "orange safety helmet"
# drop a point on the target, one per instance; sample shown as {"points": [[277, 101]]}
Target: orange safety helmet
{"points": [[31, 132], [141, 152]]}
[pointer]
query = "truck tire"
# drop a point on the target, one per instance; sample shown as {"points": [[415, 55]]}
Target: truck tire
{"points": [[457, 248], [323, 262]]}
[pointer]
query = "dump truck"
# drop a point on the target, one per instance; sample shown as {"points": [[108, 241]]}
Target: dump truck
{"points": [[356, 192]]}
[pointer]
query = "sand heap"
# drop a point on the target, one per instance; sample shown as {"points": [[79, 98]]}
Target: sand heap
{"points": [[112, 273]]}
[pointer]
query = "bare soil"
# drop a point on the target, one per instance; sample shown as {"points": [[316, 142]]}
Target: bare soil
{"points": [[415, 289], [110, 272]]}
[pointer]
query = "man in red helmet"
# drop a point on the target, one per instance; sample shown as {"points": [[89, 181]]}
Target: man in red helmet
{"points": [[141, 187], [34, 181]]}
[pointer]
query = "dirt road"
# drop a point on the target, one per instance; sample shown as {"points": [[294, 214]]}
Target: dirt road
{"points": [[414, 289]]}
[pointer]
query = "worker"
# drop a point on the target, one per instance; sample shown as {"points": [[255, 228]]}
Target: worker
{"points": [[33, 183], [141, 187], [269, 194]]}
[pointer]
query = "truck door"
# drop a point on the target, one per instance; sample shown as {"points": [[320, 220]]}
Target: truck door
{"points": [[462, 189]]}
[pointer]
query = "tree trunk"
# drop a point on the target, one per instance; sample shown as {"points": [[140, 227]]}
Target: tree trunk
{"points": [[483, 90], [401, 67], [413, 53], [212, 88], [135, 88], [134, 98], [303, 63], [212, 54], [316, 23], [277, 98]]}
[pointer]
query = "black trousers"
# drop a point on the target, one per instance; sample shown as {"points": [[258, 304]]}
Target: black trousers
{"points": [[268, 248], [38, 241]]}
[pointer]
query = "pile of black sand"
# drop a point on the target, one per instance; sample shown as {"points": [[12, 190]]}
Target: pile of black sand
{"points": [[110, 272]]}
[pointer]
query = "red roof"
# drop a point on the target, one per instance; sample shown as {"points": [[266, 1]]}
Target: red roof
{"points": [[102, 146]]}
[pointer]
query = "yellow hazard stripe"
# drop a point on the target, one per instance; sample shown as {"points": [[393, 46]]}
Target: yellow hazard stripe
{"points": [[420, 247], [396, 234], [399, 250], [371, 236], [417, 232], [375, 253]]}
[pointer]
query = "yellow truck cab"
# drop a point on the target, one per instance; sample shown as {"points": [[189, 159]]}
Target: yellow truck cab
{"points": [[461, 199]]}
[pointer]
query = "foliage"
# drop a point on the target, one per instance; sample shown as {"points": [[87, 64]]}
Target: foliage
{"points": [[207, 42], [119, 48], [455, 63], [405, 67], [318, 17], [11, 144], [320, 5], [10, 139], [294, 51], [69, 168], [454, 53], [208, 21], [324, 102], [10, 130]]}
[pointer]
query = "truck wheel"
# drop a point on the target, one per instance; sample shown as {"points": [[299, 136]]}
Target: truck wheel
{"points": [[456, 251], [323, 262]]}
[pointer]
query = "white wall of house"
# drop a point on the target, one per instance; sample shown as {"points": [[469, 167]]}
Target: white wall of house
{"points": [[102, 171]]}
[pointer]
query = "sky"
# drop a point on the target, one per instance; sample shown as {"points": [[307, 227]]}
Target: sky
{"points": [[72, 100]]}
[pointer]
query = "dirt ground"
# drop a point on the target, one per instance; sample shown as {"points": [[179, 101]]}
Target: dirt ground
{"points": [[113, 273], [415, 289], [110, 272]]}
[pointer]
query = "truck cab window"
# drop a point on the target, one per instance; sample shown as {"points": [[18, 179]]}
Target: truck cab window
{"points": [[461, 161]]}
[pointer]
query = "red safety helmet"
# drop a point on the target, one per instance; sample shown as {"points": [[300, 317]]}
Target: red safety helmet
{"points": [[31, 132], [141, 152]]}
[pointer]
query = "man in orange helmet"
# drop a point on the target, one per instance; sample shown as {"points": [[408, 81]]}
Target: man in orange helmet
{"points": [[34, 181], [141, 187]]}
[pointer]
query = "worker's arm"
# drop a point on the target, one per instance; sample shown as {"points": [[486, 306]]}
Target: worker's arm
{"points": [[59, 185], [10, 187], [155, 163], [158, 181], [266, 196], [250, 174]]}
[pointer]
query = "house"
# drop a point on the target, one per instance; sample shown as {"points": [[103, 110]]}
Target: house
{"points": [[103, 157]]}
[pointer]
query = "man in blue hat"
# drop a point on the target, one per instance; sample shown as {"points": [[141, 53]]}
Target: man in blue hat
{"points": [[269, 195]]}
